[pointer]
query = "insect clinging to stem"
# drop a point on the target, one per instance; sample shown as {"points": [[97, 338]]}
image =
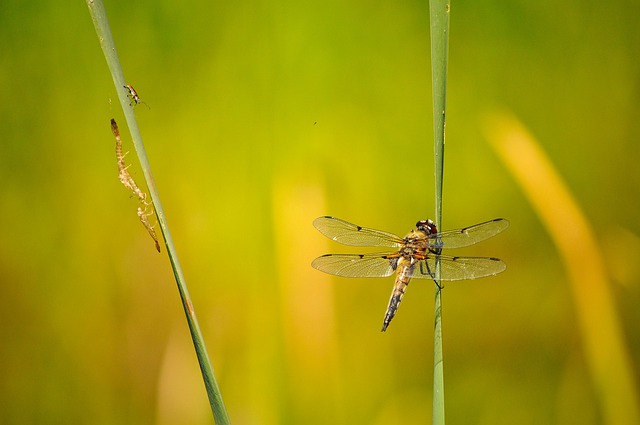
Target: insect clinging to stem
{"points": [[133, 96]]}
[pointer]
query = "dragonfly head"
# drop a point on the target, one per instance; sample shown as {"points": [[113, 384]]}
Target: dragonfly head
{"points": [[427, 226]]}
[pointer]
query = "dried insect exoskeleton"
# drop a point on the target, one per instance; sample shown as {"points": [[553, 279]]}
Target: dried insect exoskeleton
{"points": [[129, 183], [123, 173], [144, 218]]}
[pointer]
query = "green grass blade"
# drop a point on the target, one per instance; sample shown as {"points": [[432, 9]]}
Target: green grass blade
{"points": [[439, 54], [99, 17], [438, 367], [439, 20]]}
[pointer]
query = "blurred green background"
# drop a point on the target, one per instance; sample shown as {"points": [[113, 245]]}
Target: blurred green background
{"points": [[265, 115]]}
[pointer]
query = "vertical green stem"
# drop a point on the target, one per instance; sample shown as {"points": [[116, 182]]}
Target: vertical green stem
{"points": [[438, 367], [99, 17], [439, 55], [439, 20]]}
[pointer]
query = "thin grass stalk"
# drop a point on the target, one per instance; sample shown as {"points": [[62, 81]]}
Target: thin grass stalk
{"points": [[439, 21], [99, 17]]}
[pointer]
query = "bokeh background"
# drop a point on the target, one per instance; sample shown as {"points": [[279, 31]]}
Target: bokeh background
{"points": [[263, 116]]}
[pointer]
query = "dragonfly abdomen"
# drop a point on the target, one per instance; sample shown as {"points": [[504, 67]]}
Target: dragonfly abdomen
{"points": [[400, 286]]}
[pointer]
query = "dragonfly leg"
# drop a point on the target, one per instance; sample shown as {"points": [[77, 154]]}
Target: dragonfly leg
{"points": [[429, 272]]}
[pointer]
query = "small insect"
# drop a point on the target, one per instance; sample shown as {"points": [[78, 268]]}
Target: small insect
{"points": [[133, 96], [123, 173], [144, 218]]}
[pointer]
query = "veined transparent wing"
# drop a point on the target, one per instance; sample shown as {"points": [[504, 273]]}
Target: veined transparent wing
{"points": [[351, 234], [356, 265], [469, 235], [458, 268]]}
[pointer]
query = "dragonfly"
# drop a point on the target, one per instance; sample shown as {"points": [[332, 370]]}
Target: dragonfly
{"points": [[417, 256]]}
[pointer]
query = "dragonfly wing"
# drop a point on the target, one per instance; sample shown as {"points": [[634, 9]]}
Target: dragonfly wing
{"points": [[469, 235], [356, 265], [458, 268], [351, 234]]}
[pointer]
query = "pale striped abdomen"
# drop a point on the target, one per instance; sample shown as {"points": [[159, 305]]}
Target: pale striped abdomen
{"points": [[403, 276]]}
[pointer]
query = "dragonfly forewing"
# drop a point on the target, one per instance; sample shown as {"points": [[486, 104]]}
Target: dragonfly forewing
{"points": [[469, 235], [351, 234], [457, 268], [356, 265]]}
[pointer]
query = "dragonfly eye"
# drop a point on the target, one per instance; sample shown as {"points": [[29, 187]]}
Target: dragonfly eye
{"points": [[427, 226]]}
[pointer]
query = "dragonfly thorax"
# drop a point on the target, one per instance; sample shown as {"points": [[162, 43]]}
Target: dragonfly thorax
{"points": [[415, 243]]}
